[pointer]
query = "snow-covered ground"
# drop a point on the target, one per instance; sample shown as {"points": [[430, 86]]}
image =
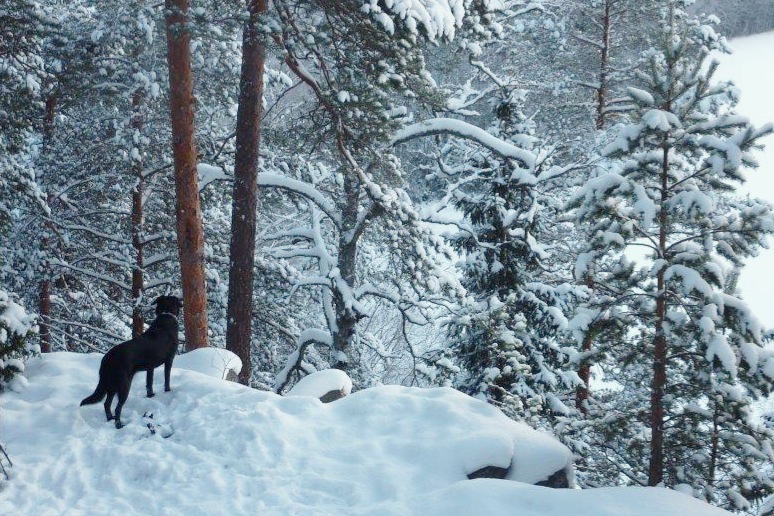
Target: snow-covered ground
{"points": [[749, 67], [232, 450]]}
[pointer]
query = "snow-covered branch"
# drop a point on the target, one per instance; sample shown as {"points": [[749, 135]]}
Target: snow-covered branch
{"points": [[453, 127], [303, 189]]}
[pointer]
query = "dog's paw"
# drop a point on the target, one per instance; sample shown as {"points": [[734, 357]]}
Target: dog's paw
{"points": [[151, 394], [119, 424]]}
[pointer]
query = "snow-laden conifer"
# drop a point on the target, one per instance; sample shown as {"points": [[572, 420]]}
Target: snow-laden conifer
{"points": [[695, 360]]}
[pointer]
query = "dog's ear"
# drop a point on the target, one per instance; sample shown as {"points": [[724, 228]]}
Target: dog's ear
{"points": [[155, 301]]}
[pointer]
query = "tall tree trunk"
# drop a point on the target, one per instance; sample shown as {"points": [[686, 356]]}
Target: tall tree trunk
{"points": [[44, 302], [244, 204], [604, 66], [44, 309], [138, 219], [190, 233], [658, 383]]}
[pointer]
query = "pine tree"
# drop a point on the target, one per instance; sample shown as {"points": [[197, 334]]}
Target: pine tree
{"points": [[671, 190]]}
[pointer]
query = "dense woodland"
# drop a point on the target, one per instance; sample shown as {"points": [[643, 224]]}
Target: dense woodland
{"points": [[532, 202]]}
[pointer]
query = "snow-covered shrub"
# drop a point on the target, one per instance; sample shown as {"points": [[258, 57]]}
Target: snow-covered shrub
{"points": [[16, 325]]}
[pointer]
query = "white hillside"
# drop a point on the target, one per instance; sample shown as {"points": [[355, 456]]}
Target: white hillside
{"points": [[234, 450]]}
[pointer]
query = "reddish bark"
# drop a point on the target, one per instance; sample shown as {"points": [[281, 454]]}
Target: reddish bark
{"points": [[659, 380], [190, 233], [44, 307], [245, 199]]}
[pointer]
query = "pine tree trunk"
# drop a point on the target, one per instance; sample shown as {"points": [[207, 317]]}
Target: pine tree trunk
{"points": [[604, 67], [44, 303], [138, 218], [190, 233], [244, 204], [44, 307], [658, 383]]}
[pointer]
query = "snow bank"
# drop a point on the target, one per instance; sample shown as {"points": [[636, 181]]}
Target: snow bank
{"points": [[386, 450], [485, 496]]}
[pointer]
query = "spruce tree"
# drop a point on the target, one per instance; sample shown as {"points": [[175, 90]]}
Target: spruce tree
{"points": [[504, 339]]}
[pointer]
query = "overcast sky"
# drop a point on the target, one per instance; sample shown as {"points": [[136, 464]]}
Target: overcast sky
{"points": [[750, 69]]}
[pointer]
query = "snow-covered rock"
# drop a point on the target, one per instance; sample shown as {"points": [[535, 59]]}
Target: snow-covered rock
{"points": [[216, 362], [327, 385]]}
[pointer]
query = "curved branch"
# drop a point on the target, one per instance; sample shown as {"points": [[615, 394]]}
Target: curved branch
{"points": [[303, 189], [467, 131]]}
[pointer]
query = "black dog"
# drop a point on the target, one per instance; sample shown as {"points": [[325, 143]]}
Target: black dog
{"points": [[156, 346]]}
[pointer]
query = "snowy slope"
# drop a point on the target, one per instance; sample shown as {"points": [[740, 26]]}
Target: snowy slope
{"points": [[386, 450], [749, 67]]}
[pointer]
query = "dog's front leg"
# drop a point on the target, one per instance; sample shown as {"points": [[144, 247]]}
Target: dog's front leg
{"points": [[167, 372], [149, 382]]}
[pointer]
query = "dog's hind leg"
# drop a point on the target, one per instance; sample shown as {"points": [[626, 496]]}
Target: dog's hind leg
{"points": [[149, 382], [108, 402], [123, 393], [168, 372]]}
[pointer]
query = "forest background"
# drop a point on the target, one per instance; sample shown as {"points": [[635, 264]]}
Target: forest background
{"points": [[534, 202]]}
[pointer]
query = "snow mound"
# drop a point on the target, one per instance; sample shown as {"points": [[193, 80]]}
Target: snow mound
{"points": [[320, 383], [215, 362], [233, 450]]}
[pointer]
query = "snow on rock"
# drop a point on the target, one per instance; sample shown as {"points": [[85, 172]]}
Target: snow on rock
{"points": [[322, 383], [233, 450], [215, 362]]}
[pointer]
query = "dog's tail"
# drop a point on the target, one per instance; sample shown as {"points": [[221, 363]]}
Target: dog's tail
{"points": [[99, 393]]}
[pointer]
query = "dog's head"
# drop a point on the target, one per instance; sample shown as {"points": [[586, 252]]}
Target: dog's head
{"points": [[168, 305]]}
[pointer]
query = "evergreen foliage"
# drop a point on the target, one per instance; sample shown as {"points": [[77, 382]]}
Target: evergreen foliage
{"points": [[16, 327], [671, 189]]}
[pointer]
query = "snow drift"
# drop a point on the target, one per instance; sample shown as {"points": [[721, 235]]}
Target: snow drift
{"points": [[234, 450]]}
